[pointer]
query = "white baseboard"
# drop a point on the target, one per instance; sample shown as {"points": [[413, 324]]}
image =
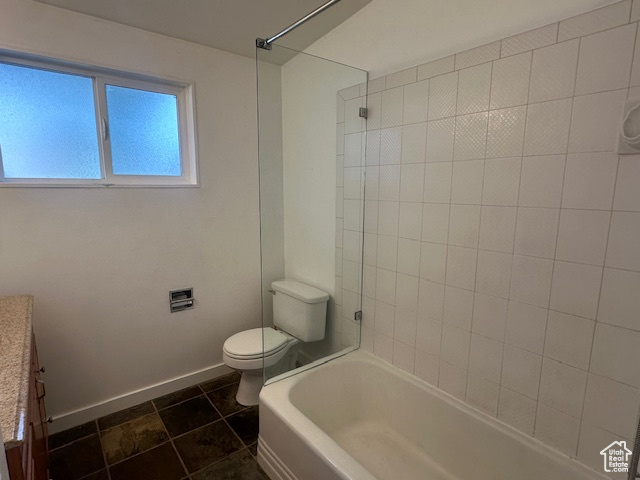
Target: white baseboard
{"points": [[91, 412]]}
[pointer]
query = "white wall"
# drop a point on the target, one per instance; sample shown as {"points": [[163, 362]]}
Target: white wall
{"points": [[101, 262], [388, 35], [309, 88]]}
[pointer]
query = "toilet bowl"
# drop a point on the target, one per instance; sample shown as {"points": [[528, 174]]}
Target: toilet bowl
{"points": [[299, 315], [246, 353]]}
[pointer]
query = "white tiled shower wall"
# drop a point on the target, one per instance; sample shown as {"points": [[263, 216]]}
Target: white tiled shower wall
{"points": [[502, 234]]}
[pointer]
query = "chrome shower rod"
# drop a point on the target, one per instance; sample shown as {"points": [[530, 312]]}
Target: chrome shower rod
{"points": [[266, 43]]}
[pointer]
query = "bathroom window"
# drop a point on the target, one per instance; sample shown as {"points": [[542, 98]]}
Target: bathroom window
{"points": [[64, 126]]}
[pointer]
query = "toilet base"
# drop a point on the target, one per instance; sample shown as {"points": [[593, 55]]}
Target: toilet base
{"points": [[249, 389]]}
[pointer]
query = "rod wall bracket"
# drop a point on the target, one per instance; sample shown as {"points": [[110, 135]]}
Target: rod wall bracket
{"points": [[262, 43]]}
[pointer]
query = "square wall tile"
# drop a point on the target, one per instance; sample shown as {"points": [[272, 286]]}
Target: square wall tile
{"points": [[389, 183], [605, 60], [471, 136], [386, 286], [388, 218], [458, 308], [353, 148], [466, 185], [409, 257], [403, 356], [414, 141], [510, 81], [627, 196], [531, 40], [553, 72], [428, 335], [435, 222], [595, 21], [372, 148], [596, 133], [430, 299], [517, 410], [575, 289], [619, 300], [374, 114], [541, 181], [582, 236], [489, 316], [401, 78], [590, 444], [353, 123], [615, 354], [452, 380], [557, 429], [391, 146], [384, 318], [383, 347], [440, 138], [370, 217], [531, 280], [455, 346], [610, 405], [501, 181], [461, 267], [392, 104], [622, 250], [547, 130], [521, 371], [427, 367], [526, 325], [506, 132], [478, 55], [497, 228], [433, 262], [562, 387], [494, 273], [387, 252], [485, 358], [589, 180], [464, 225], [483, 394], [473, 89], [437, 182], [536, 232], [412, 182], [568, 339], [404, 328], [416, 102], [442, 96], [410, 220], [370, 249], [436, 68]]}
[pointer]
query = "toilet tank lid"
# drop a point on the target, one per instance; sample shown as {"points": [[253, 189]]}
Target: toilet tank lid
{"points": [[301, 291]]}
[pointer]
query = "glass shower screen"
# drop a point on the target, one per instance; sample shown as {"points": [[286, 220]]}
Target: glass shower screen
{"points": [[312, 149]]}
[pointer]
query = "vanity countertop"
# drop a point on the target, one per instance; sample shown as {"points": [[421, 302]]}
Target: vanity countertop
{"points": [[15, 360]]}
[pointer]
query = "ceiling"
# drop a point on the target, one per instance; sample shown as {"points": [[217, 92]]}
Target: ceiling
{"points": [[231, 25]]}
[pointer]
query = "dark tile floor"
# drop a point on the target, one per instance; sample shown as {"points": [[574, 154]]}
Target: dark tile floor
{"points": [[199, 433]]}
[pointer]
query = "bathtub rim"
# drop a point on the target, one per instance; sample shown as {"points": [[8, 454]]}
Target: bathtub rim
{"points": [[275, 397]]}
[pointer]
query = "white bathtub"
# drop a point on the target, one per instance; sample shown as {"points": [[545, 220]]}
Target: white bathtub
{"points": [[359, 418]]}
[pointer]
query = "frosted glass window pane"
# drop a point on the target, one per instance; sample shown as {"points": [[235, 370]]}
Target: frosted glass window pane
{"points": [[47, 124], [144, 132]]}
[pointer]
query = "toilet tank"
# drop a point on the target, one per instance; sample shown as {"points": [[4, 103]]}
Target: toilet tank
{"points": [[300, 309]]}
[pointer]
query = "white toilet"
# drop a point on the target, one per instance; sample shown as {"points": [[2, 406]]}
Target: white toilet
{"points": [[299, 315]]}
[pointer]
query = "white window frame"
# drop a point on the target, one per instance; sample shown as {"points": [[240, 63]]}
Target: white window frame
{"points": [[100, 78]]}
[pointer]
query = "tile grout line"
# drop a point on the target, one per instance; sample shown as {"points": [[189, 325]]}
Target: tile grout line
{"points": [[171, 439]]}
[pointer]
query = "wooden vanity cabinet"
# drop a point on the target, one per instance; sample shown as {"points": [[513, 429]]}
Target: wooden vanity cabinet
{"points": [[30, 460]]}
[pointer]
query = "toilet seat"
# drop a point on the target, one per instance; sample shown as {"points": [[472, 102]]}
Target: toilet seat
{"points": [[255, 343]]}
